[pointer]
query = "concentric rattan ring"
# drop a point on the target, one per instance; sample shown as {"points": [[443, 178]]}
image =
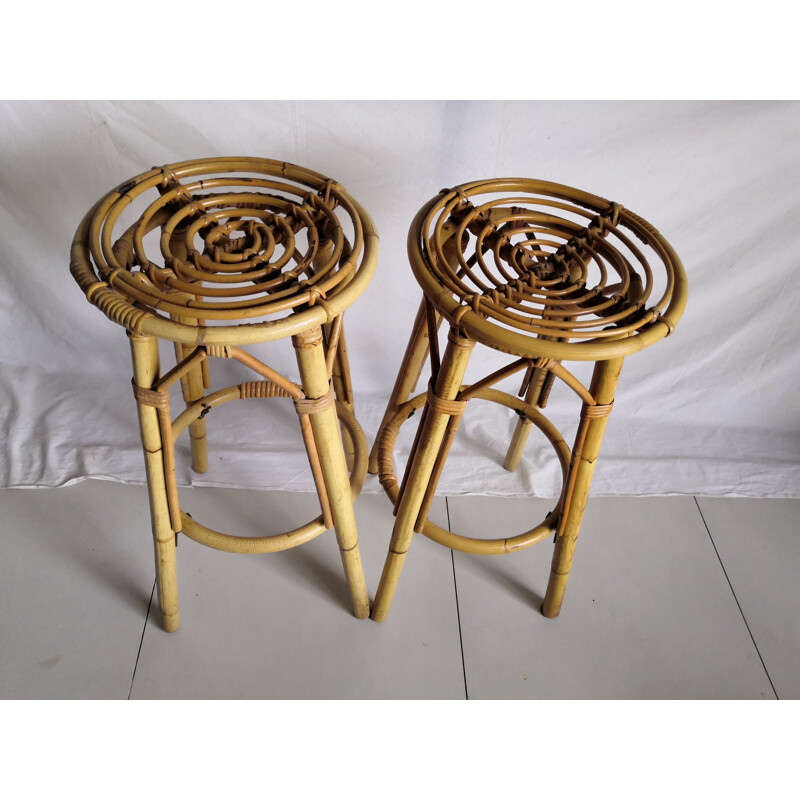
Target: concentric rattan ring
{"points": [[539, 269], [242, 241]]}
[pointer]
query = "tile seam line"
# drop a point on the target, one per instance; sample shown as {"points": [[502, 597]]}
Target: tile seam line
{"points": [[458, 610], [730, 585], [144, 628]]}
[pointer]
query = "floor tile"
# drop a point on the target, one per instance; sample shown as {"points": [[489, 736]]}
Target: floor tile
{"points": [[279, 625], [76, 575], [758, 542], [648, 612]]}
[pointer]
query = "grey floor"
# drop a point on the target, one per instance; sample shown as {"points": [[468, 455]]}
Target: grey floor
{"points": [[672, 597]]}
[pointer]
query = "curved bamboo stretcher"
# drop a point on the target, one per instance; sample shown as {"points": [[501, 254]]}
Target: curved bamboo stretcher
{"points": [[250, 250], [544, 273]]}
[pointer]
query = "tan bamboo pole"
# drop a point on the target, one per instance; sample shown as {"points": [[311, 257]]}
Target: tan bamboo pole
{"points": [[341, 378], [338, 367], [584, 456], [332, 333], [181, 351], [316, 469], [194, 383], [420, 467], [182, 368], [336, 356], [523, 427], [541, 381], [144, 350], [310, 354], [197, 430], [436, 473], [341, 371], [408, 376], [168, 457]]}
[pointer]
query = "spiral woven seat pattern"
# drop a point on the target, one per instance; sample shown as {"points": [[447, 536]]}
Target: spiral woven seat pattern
{"points": [[541, 269], [240, 240]]}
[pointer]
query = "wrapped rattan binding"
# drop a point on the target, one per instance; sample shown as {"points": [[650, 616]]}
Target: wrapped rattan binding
{"points": [[261, 389]]}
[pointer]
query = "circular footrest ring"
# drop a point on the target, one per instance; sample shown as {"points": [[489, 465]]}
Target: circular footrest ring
{"points": [[279, 541], [468, 544]]}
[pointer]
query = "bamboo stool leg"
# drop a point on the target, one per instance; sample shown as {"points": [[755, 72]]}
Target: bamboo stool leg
{"points": [[342, 386], [193, 385], [584, 455], [417, 483], [523, 426], [408, 377], [196, 381], [144, 350], [310, 354]]}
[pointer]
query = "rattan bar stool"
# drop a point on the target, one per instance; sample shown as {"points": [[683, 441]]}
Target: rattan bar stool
{"points": [[251, 250], [546, 274]]}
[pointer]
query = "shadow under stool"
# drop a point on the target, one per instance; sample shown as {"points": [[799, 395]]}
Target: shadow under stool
{"points": [[251, 250], [545, 274]]}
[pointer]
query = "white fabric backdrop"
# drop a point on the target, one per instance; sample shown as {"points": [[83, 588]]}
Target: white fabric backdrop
{"points": [[714, 409]]}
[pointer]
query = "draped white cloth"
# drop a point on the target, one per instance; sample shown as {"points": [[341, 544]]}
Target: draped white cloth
{"points": [[713, 409]]}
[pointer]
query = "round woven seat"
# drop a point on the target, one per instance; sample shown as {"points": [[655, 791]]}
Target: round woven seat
{"points": [[213, 255], [243, 242], [540, 269], [545, 273]]}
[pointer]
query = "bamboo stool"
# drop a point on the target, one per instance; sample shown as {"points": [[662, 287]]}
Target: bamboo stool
{"points": [[253, 250], [546, 274]]}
